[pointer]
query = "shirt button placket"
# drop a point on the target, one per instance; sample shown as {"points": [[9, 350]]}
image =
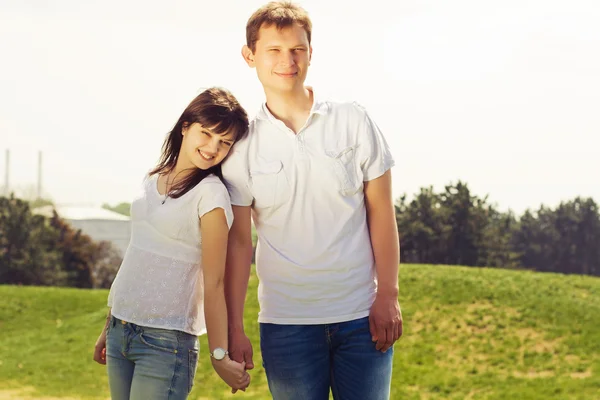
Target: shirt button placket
{"points": [[300, 141]]}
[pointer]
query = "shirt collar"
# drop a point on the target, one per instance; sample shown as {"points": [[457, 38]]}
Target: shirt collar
{"points": [[318, 107]]}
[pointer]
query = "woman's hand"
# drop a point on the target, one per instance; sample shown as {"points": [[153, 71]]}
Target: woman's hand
{"points": [[233, 373], [100, 348]]}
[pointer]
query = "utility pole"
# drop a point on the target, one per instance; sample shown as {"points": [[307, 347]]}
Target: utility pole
{"points": [[39, 186], [7, 174]]}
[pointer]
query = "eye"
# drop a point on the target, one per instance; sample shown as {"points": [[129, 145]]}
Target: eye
{"points": [[228, 144], [206, 133]]}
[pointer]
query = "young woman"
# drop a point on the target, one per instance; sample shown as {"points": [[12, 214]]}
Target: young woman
{"points": [[169, 288]]}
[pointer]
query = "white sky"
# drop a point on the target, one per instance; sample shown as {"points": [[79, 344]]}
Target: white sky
{"points": [[504, 95]]}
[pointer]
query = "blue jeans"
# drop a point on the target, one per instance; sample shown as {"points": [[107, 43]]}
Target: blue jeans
{"points": [[149, 363], [303, 361]]}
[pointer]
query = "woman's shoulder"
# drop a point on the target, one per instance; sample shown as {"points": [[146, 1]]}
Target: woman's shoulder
{"points": [[211, 179], [212, 194], [211, 185]]}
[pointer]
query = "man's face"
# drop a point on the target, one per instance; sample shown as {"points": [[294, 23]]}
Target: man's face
{"points": [[281, 57]]}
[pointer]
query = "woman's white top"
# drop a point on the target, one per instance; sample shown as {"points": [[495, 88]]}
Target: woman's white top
{"points": [[160, 282]]}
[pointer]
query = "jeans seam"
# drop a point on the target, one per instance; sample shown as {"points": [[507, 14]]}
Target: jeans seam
{"points": [[332, 381], [175, 369], [191, 369]]}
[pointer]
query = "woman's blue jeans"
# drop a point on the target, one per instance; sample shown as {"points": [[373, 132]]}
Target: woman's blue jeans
{"points": [[149, 363]]}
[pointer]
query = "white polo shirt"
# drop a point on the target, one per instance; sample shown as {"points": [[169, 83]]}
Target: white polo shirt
{"points": [[314, 258]]}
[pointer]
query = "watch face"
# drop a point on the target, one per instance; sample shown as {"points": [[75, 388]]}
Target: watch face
{"points": [[218, 353]]}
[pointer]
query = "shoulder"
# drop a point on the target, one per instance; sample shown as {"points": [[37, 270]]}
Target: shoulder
{"points": [[234, 166], [352, 110], [212, 191], [211, 183], [213, 194]]}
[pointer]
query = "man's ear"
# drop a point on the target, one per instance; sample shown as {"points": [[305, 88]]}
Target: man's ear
{"points": [[248, 56], [309, 54]]}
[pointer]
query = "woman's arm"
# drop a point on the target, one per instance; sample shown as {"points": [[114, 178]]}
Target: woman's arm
{"points": [[214, 231], [100, 347]]}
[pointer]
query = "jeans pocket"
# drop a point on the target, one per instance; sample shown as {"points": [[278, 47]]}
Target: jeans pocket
{"points": [[160, 339], [192, 365]]}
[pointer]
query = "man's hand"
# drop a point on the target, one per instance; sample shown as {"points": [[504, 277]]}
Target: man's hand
{"points": [[233, 373], [385, 321], [240, 350]]}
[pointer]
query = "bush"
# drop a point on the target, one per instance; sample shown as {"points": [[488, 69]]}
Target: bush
{"points": [[35, 250]]}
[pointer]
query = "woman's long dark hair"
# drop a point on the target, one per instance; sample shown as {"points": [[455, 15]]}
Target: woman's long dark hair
{"points": [[216, 109]]}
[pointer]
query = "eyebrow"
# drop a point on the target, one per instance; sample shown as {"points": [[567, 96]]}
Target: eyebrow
{"points": [[225, 139], [278, 46], [222, 135]]}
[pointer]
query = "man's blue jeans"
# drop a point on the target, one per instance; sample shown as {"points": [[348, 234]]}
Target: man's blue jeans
{"points": [[148, 363], [303, 361]]}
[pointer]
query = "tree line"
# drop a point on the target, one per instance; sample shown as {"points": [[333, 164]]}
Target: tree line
{"points": [[456, 227], [450, 227]]}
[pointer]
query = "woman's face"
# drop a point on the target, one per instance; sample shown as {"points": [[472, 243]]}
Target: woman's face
{"points": [[203, 148]]}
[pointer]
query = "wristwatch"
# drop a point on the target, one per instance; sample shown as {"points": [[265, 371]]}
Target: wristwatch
{"points": [[219, 353]]}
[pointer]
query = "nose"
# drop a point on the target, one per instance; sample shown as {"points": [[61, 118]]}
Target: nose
{"points": [[212, 147], [287, 58]]}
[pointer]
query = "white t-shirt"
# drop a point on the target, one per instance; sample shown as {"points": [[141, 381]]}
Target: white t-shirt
{"points": [[314, 258], [160, 282]]}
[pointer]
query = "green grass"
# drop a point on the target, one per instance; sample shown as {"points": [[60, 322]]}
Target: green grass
{"points": [[469, 333]]}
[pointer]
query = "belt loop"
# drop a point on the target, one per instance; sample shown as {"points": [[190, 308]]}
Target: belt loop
{"points": [[113, 320]]}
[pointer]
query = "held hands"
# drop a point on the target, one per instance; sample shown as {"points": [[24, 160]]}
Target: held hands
{"points": [[240, 350], [385, 321], [233, 373]]}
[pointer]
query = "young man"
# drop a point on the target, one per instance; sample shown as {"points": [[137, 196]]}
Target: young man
{"points": [[315, 178]]}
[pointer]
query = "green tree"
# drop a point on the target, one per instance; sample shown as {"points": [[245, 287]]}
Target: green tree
{"points": [[496, 248], [27, 246], [421, 227], [79, 253], [35, 250], [465, 218], [106, 265], [577, 224], [40, 203]]}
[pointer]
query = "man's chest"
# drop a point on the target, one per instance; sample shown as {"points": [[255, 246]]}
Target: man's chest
{"points": [[284, 167]]}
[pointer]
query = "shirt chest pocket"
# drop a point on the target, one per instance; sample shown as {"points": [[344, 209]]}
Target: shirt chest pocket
{"points": [[343, 163], [270, 187]]}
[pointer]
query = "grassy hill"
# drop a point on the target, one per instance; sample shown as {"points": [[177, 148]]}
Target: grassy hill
{"points": [[469, 333]]}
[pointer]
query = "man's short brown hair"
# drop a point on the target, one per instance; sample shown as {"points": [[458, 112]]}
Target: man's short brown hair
{"points": [[282, 14]]}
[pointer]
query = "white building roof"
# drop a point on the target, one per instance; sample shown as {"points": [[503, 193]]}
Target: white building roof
{"points": [[78, 213]]}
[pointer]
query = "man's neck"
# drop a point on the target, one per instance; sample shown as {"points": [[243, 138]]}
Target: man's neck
{"points": [[292, 108]]}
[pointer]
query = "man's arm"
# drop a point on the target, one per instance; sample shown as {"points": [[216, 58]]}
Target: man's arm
{"points": [[237, 274], [385, 316]]}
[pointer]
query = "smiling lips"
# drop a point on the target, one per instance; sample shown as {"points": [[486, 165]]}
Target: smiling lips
{"points": [[286, 75], [205, 156]]}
